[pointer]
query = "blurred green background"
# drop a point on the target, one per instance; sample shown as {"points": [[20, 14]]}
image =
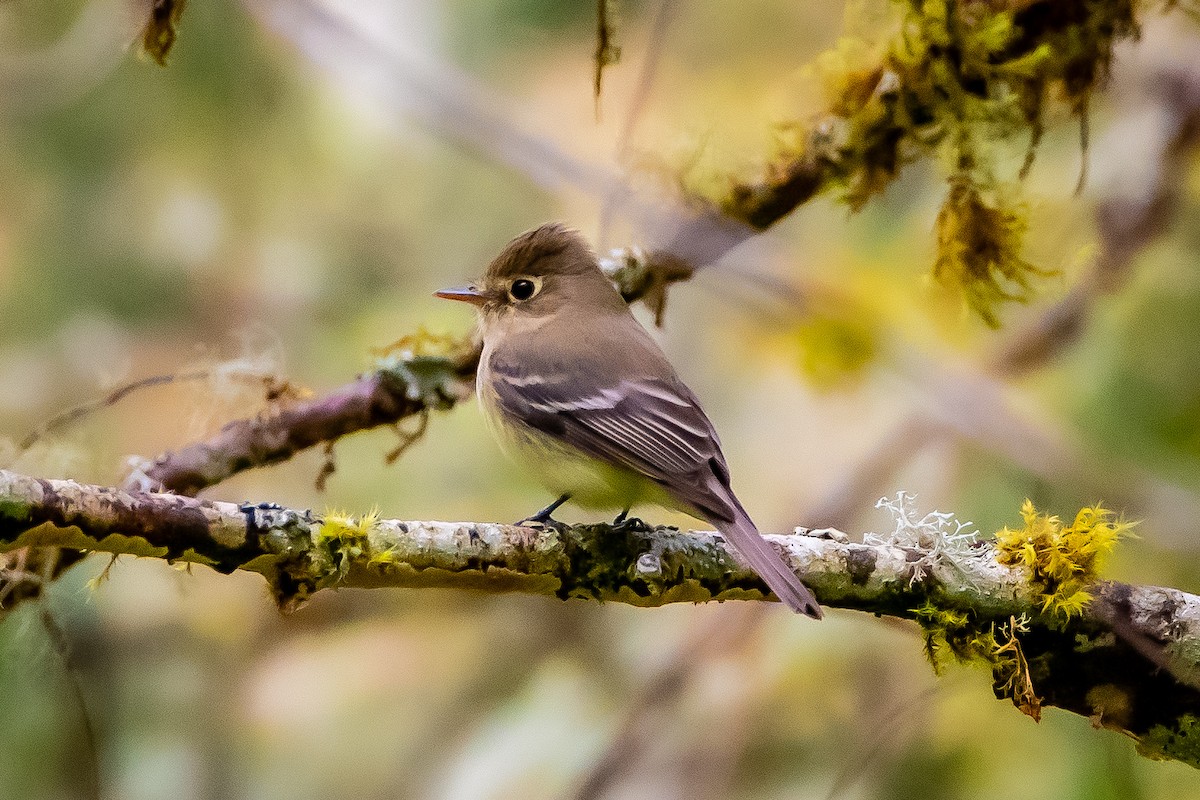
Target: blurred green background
{"points": [[251, 207]]}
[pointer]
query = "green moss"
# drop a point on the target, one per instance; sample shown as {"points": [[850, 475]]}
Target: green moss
{"points": [[48, 534], [14, 511], [961, 637], [1180, 741], [952, 635], [978, 250]]}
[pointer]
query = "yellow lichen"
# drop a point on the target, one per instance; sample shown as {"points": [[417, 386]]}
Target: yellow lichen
{"points": [[1063, 560], [345, 538], [337, 525]]}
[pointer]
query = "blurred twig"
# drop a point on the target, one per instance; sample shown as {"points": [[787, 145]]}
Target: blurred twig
{"points": [[883, 729], [866, 478], [662, 690], [664, 15], [33, 81], [458, 110], [273, 386], [62, 647], [1130, 218], [411, 85], [1007, 423]]}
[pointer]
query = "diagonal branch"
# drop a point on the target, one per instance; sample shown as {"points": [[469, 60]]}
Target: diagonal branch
{"points": [[404, 388]]}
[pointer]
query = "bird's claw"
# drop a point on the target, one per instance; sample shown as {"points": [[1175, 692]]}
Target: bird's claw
{"points": [[541, 521], [543, 518], [630, 524]]}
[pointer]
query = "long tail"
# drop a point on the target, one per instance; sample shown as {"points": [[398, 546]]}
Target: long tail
{"points": [[769, 564]]}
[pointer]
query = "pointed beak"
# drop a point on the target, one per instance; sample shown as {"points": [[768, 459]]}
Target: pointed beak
{"points": [[465, 294]]}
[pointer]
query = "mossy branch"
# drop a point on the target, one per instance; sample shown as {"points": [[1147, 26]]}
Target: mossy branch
{"points": [[1128, 659], [957, 81]]}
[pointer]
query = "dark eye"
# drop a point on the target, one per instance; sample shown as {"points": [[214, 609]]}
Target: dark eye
{"points": [[522, 289]]}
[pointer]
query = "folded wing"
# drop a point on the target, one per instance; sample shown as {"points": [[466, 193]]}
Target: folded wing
{"points": [[652, 426]]}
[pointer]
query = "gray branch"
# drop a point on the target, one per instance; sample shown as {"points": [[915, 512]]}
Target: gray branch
{"points": [[1129, 662]]}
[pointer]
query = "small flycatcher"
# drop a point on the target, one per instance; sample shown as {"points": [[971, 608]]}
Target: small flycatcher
{"points": [[574, 387]]}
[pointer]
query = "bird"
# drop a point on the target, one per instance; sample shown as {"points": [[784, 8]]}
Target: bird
{"points": [[575, 389]]}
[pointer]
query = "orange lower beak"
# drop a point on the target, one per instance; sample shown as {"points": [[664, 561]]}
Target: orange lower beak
{"points": [[465, 294]]}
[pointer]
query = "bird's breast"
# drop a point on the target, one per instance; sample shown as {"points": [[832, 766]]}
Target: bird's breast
{"points": [[556, 463]]}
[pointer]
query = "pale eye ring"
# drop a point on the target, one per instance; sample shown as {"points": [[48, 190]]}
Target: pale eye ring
{"points": [[523, 288]]}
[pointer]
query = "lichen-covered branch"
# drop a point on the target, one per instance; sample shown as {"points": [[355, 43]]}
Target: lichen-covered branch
{"points": [[1128, 659], [956, 79]]}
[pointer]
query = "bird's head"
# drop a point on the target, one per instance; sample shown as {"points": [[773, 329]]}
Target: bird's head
{"points": [[539, 273]]}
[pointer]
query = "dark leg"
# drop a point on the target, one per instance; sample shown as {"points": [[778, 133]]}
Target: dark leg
{"points": [[623, 520], [543, 517]]}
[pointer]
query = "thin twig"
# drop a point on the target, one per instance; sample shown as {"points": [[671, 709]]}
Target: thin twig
{"points": [[83, 410], [62, 646]]}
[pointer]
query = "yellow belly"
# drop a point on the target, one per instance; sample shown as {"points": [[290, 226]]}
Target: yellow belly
{"points": [[564, 469]]}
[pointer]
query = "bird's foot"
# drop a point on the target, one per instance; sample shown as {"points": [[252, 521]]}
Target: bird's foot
{"points": [[539, 521], [626, 523], [543, 519]]}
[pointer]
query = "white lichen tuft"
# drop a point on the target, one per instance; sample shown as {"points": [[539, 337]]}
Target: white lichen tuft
{"points": [[939, 537], [620, 258], [137, 475]]}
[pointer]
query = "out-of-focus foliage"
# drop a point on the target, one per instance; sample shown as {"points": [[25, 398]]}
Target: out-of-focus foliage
{"points": [[239, 204], [958, 80], [608, 52]]}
